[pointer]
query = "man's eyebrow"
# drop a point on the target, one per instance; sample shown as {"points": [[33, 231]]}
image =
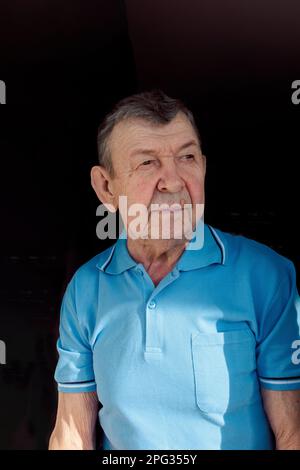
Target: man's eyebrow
{"points": [[188, 144], [143, 151]]}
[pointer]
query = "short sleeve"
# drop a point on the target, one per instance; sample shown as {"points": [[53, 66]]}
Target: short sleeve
{"points": [[74, 370], [278, 350]]}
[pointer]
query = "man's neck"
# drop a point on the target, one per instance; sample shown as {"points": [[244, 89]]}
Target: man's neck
{"points": [[157, 256]]}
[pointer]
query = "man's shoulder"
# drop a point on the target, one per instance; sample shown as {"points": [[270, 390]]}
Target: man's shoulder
{"points": [[83, 287], [247, 252], [86, 277]]}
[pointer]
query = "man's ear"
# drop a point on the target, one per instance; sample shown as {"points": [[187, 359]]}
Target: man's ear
{"points": [[101, 184]]}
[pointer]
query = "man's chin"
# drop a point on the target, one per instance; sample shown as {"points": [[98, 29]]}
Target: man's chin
{"points": [[164, 238]]}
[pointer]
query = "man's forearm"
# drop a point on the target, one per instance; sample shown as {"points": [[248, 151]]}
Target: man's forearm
{"points": [[71, 441], [291, 443], [75, 427]]}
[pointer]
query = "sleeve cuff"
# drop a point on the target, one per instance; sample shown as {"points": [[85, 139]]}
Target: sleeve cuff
{"points": [[77, 387], [289, 383]]}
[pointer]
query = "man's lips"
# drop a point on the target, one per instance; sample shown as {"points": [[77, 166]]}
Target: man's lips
{"points": [[172, 207], [178, 209]]}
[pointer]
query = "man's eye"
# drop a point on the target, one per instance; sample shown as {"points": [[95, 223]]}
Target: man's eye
{"points": [[188, 157], [146, 162]]}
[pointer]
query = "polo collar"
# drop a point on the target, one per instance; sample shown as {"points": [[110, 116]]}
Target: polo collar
{"points": [[211, 251]]}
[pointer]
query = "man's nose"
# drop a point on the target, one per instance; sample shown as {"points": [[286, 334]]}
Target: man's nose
{"points": [[170, 180]]}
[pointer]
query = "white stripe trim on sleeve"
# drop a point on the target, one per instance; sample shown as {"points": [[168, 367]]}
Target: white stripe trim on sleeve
{"points": [[79, 385], [280, 382]]}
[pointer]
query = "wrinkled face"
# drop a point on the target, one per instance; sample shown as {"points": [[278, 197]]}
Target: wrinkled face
{"points": [[156, 164]]}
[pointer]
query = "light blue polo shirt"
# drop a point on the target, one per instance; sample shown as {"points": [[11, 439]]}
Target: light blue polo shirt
{"points": [[180, 365]]}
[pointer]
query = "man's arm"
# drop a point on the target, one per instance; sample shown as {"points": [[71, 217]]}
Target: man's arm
{"points": [[75, 422], [283, 411]]}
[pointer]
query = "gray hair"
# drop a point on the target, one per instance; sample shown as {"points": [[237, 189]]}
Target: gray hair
{"points": [[153, 106]]}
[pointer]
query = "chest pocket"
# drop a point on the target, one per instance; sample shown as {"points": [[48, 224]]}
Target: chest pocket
{"points": [[224, 367]]}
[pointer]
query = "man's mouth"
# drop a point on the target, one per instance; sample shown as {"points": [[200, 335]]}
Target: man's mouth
{"points": [[172, 207], [168, 210]]}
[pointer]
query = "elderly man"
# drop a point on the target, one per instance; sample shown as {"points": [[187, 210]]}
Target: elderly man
{"points": [[185, 347]]}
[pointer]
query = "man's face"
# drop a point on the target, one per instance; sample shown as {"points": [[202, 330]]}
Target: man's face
{"points": [[157, 164]]}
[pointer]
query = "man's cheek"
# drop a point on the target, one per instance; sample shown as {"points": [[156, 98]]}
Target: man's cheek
{"points": [[196, 193]]}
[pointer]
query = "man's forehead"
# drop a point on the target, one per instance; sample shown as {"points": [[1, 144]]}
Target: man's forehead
{"points": [[134, 133]]}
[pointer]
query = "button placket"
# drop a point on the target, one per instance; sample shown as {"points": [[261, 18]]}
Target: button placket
{"points": [[153, 330], [154, 325]]}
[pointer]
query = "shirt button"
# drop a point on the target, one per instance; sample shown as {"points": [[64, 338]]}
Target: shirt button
{"points": [[152, 304]]}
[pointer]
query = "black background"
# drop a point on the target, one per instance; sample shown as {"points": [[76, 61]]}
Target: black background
{"points": [[65, 63]]}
